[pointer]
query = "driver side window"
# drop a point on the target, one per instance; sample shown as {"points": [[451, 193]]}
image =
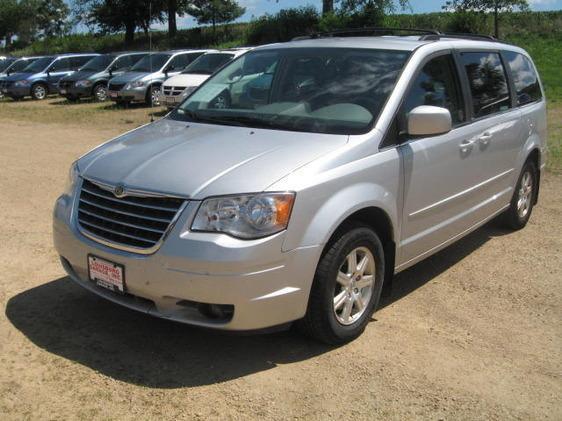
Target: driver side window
{"points": [[437, 84]]}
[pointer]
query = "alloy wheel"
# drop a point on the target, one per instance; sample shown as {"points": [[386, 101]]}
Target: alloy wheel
{"points": [[354, 286], [525, 197]]}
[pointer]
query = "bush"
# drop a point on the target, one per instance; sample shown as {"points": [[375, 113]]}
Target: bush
{"points": [[283, 26]]}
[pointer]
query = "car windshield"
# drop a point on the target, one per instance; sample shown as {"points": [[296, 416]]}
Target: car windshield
{"points": [[151, 63], [97, 64], [19, 65], [207, 64], [325, 90], [38, 65], [4, 64]]}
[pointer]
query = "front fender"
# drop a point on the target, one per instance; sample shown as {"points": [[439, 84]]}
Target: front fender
{"points": [[327, 199]]}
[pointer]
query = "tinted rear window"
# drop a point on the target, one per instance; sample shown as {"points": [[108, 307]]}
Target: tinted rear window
{"points": [[525, 78], [488, 83]]}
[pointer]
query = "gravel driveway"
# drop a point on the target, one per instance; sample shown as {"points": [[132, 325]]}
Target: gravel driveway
{"points": [[474, 332]]}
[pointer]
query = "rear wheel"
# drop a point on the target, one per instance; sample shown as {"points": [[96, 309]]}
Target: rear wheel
{"points": [[39, 91], [347, 286], [523, 200], [100, 92]]}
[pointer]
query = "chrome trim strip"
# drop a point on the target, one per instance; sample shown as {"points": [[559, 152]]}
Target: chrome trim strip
{"points": [[121, 234], [460, 194], [124, 200], [167, 221], [127, 224], [133, 191]]}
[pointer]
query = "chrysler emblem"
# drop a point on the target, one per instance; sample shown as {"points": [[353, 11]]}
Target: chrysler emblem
{"points": [[119, 191]]}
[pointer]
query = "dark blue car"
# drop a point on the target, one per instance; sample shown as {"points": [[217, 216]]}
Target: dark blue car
{"points": [[41, 77]]}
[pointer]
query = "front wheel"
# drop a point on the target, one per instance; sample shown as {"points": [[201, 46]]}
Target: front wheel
{"points": [[347, 286], [153, 97], [100, 92], [39, 91], [523, 200]]}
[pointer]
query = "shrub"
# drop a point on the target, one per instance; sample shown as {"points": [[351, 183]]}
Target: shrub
{"points": [[283, 26]]}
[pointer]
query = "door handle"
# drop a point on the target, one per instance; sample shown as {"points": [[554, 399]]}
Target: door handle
{"points": [[485, 138], [466, 145]]}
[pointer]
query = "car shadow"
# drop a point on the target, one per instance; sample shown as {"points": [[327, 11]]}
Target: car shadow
{"points": [[68, 321]]}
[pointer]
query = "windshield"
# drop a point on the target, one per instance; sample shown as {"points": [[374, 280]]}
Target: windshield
{"points": [[97, 64], [151, 63], [38, 65], [207, 64], [325, 90], [4, 64], [20, 64]]}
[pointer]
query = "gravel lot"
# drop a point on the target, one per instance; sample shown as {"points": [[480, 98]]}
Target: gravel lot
{"points": [[474, 332]]}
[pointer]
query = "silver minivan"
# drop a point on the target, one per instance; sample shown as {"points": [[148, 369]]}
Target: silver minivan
{"points": [[297, 180]]}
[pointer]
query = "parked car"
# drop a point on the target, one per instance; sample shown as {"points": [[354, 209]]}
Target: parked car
{"points": [[12, 66], [143, 82], [359, 157], [92, 78], [41, 77], [179, 87]]}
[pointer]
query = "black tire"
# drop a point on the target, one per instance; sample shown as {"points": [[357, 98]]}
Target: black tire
{"points": [[320, 321], [153, 96], [513, 218], [39, 91], [100, 92]]}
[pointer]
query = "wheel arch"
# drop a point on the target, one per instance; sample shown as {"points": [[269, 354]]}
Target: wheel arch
{"points": [[380, 222], [40, 82], [535, 157]]}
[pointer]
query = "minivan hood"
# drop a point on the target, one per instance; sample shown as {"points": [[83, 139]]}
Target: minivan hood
{"points": [[76, 76], [19, 76], [186, 80], [200, 160], [129, 77]]}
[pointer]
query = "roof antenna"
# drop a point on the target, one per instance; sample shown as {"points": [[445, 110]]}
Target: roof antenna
{"points": [[150, 60]]}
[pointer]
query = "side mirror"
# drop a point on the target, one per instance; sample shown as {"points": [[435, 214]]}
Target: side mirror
{"points": [[427, 120]]}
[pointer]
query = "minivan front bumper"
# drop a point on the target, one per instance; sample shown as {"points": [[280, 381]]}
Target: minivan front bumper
{"points": [[265, 286]]}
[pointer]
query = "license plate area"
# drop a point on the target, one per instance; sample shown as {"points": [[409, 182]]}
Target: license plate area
{"points": [[106, 274], [112, 94], [63, 91]]}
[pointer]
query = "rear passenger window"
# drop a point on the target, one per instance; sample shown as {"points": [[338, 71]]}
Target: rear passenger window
{"points": [[524, 77], [488, 83], [437, 84]]}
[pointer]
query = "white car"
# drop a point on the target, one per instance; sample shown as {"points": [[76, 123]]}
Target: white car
{"points": [[178, 87]]}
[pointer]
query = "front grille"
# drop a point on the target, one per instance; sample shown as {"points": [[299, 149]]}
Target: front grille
{"points": [[6, 84], [173, 90], [66, 84], [115, 86], [133, 221]]}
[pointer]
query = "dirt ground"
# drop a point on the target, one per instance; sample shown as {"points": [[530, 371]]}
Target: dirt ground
{"points": [[474, 332]]}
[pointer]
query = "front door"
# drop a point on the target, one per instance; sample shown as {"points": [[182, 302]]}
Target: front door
{"points": [[442, 174]]}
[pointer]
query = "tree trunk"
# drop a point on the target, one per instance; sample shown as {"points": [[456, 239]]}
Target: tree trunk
{"points": [[327, 6], [496, 20], [172, 24], [129, 32]]}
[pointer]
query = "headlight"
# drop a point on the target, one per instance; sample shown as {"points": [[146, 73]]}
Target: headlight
{"points": [[135, 84], [72, 178], [245, 216], [20, 83], [84, 83]]}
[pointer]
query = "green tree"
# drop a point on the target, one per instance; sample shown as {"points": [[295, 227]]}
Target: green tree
{"points": [[111, 16], [486, 6], [215, 11], [51, 17]]}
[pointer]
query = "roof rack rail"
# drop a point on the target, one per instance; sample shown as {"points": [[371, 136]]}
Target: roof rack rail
{"points": [[380, 31], [458, 35]]}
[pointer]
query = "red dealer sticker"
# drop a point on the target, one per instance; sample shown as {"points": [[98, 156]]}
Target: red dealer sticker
{"points": [[106, 274]]}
